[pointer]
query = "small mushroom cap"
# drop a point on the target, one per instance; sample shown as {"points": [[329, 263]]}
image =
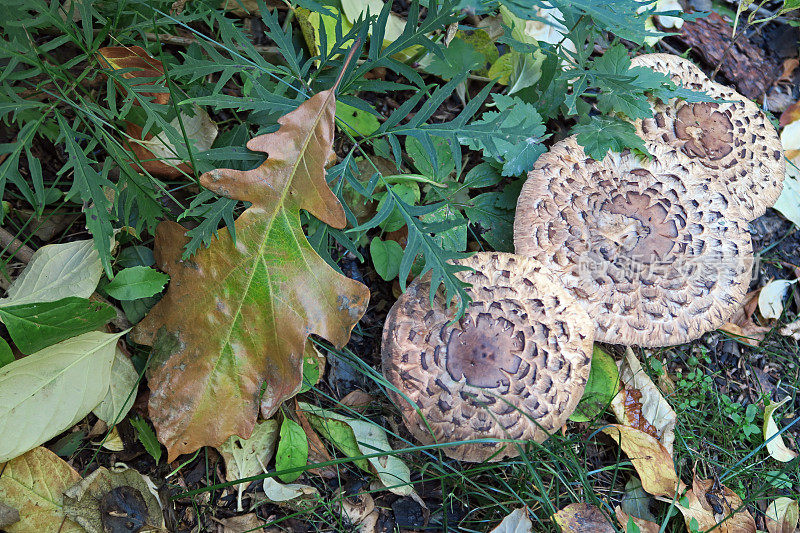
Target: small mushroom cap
{"points": [[732, 142], [650, 253], [513, 367]]}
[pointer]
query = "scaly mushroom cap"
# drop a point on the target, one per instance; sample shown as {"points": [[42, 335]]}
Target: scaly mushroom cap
{"points": [[513, 367], [732, 142], [649, 252]]}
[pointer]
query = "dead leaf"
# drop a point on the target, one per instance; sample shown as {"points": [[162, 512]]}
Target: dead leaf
{"points": [[358, 510], [114, 500], [772, 296], [651, 460], [792, 330], [789, 66], [645, 526], [517, 521], [715, 508], [34, 484], [153, 150], [235, 319], [358, 400], [641, 405], [248, 457], [8, 516], [294, 495], [742, 324], [317, 453], [782, 516], [775, 443], [240, 523], [583, 518]]}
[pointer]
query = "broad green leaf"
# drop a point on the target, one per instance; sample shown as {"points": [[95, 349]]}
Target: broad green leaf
{"points": [[340, 434], [236, 315], [386, 257], [248, 457], [35, 326], [601, 387], [147, 437], [6, 354], [460, 56], [310, 23], [135, 256], [371, 439], [355, 9], [356, 121], [602, 134], [497, 223], [292, 450], [136, 310], [121, 390], [455, 238], [57, 271], [34, 484], [409, 193], [136, 282], [313, 367], [444, 165], [775, 444], [47, 392]]}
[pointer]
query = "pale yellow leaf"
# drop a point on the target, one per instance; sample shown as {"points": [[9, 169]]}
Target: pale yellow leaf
{"points": [[775, 444]]}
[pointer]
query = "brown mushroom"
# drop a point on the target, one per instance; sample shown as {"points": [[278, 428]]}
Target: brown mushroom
{"points": [[733, 142], [513, 367], [648, 250]]}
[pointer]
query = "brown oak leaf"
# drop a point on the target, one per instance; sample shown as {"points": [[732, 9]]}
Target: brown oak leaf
{"points": [[230, 332]]}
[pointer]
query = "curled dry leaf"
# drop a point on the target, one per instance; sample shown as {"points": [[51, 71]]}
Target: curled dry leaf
{"points": [[651, 460], [110, 501], [775, 444], [583, 518], [715, 507], [742, 324], [234, 322], [517, 521], [294, 495], [792, 330], [248, 457], [359, 510], [641, 405], [34, 484], [770, 300], [239, 523], [782, 516]]}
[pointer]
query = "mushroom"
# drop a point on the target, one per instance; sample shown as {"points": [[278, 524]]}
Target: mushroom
{"points": [[514, 366], [733, 142], [648, 250]]}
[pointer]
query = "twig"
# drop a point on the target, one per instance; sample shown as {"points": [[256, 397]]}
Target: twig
{"points": [[272, 52]]}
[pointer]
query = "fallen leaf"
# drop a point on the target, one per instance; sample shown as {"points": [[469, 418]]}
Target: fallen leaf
{"points": [[233, 324], [358, 509], [601, 387], [641, 405], [651, 460], [583, 518], [371, 439], [771, 297], [789, 66], [636, 502], [296, 495], [775, 444], [644, 526], [792, 330], [317, 453], [517, 521], [45, 393], [111, 501], [716, 507], [112, 442], [782, 516], [240, 523], [292, 450], [248, 457], [358, 400], [8, 516], [788, 203], [121, 390], [34, 484], [57, 271]]}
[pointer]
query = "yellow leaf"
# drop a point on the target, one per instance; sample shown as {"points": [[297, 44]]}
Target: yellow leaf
{"points": [[651, 460], [583, 518], [775, 444], [782, 516]]}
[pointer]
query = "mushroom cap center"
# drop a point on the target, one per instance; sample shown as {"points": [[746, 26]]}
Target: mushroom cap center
{"points": [[481, 350], [706, 131], [637, 226]]}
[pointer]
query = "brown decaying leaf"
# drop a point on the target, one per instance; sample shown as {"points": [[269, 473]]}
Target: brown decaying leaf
{"points": [[716, 508], [781, 516], [789, 66], [233, 325], [583, 518], [792, 330], [742, 324], [34, 484], [641, 405], [645, 526], [651, 460]]}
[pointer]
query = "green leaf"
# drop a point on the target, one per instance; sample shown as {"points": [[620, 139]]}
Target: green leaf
{"points": [[386, 257], [6, 354], [136, 282], [459, 57], [136, 310], [340, 434], [292, 450], [49, 391], [408, 193], [444, 165], [121, 390], [147, 437], [135, 256], [356, 121], [453, 239], [602, 134], [57, 271], [35, 326], [311, 369], [601, 387]]}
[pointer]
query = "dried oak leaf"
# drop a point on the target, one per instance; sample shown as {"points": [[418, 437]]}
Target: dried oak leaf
{"points": [[715, 508], [582, 518], [231, 330]]}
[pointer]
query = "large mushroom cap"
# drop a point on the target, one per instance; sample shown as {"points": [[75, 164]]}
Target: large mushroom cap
{"points": [[733, 142], [649, 252], [513, 367]]}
